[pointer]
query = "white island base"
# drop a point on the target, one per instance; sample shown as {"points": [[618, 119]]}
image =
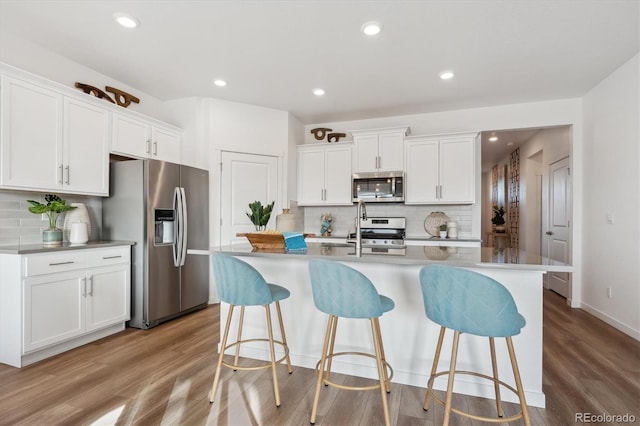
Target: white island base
{"points": [[409, 337]]}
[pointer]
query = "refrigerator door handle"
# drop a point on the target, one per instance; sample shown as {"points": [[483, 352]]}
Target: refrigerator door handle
{"points": [[177, 244], [184, 226]]}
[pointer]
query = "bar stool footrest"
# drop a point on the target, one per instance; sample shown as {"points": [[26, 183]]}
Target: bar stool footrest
{"points": [[339, 386], [267, 364], [469, 415]]}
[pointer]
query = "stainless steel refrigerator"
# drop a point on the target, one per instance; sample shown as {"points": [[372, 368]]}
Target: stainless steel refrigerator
{"points": [[164, 208]]}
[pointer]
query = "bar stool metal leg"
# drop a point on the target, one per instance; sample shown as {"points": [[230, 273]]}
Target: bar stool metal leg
{"points": [[321, 369], [452, 372], [332, 341], [387, 382], [377, 345], [434, 369], [496, 382], [519, 388], [276, 389], [284, 337], [222, 346], [239, 339]]}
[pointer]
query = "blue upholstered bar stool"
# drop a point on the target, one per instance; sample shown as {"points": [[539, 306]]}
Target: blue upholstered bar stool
{"points": [[240, 284], [341, 291], [472, 303]]}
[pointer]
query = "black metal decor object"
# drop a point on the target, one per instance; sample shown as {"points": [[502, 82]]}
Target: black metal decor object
{"points": [[335, 137], [320, 132]]}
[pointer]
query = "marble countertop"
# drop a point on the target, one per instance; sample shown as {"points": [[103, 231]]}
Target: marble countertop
{"points": [[39, 248], [470, 257]]}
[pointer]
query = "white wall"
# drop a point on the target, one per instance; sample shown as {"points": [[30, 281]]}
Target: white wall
{"points": [[612, 182], [30, 57]]}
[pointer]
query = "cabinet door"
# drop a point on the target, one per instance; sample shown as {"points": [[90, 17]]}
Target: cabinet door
{"points": [[366, 155], [31, 143], [391, 152], [457, 170], [165, 145], [131, 137], [86, 148], [421, 178], [53, 309], [311, 171], [107, 300], [337, 176]]}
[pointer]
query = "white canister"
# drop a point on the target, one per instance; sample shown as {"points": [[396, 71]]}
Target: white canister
{"points": [[79, 233], [452, 229]]}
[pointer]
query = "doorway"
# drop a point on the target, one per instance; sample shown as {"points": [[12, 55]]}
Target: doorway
{"points": [[541, 152], [244, 178]]}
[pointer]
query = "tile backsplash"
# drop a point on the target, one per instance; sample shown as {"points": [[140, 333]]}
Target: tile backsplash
{"points": [[343, 217], [19, 226]]}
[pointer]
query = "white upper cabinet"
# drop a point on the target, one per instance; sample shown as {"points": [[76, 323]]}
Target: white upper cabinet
{"points": [[440, 169], [51, 141], [85, 148], [140, 138], [379, 150], [324, 174]]}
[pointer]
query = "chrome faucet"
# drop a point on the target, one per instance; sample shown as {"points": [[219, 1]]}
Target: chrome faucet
{"points": [[361, 213]]}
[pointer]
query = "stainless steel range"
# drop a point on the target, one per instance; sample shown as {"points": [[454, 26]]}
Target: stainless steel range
{"points": [[382, 235]]}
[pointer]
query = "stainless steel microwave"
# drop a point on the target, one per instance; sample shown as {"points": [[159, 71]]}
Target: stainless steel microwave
{"points": [[378, 187]]}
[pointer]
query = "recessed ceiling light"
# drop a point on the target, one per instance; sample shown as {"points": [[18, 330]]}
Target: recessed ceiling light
{"points": [[509, 143], [220, 83], [318, 92], [371, 28], [446, 75], [126, 20], [493, 138]]}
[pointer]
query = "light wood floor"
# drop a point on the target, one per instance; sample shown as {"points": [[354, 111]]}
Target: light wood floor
{"points": [[163, 375]]}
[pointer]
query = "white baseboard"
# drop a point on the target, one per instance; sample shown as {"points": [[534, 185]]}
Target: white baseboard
{"points": [[611, 321]]}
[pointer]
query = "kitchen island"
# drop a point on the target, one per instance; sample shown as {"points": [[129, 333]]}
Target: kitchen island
{"points": [[409, 337]]}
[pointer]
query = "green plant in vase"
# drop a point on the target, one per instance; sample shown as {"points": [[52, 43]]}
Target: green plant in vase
{"points": [[54, 207], [260, 214]]}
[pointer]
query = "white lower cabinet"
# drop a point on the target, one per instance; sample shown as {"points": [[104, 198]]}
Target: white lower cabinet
{"points": [[65, 299]]}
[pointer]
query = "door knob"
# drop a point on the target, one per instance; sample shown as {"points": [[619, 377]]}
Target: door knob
{"points": [[549, 232]]}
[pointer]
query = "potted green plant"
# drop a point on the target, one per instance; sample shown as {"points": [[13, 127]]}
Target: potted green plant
{"points": [[498, 219], [55, 205], [260, 214], [443, 230]]}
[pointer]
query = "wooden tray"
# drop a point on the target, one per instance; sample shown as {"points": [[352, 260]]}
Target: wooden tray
{"points": [[263, 240]]}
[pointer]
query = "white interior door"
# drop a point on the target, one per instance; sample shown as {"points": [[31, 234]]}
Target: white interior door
{"points": [[245, 178], [558, 234]]}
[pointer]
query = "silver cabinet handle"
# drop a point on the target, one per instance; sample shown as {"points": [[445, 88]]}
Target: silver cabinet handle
{"points": [[111, 257], [148, 146], [84, 286], [155, 148], [61, 263], [68, 174], [60, 180], [91, 287]]}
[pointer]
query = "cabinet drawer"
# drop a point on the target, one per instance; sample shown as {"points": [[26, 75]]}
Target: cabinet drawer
{"points": [[38, 264], [108, 256]]}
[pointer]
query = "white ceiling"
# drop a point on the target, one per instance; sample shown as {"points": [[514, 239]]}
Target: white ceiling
{"points": [[273, 53]]}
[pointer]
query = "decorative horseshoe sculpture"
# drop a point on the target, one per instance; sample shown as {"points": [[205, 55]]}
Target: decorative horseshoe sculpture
{"points": [[320, 132]]}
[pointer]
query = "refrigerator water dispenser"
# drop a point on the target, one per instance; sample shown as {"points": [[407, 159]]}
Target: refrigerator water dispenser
{"points": [[164, 223]]}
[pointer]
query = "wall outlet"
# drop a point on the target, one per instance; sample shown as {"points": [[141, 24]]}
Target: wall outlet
{"points": [[609, 292], [610, 219]]}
